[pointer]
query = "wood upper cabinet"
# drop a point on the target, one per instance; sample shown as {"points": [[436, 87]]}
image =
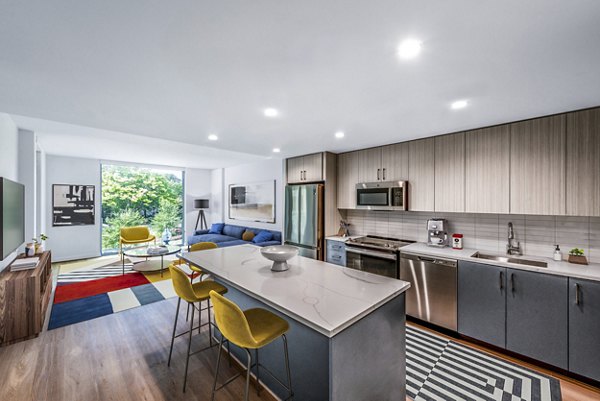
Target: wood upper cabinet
{"points": [[295, 169], [369, 165], [421, 175], [307, 168], [450, 173], [313, 167], [384, 163], [394, 162], [487, 170], [347, 170], [583, 163], [537, 166]]}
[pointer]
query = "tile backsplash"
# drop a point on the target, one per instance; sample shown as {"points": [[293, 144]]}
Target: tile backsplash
{"points": [[487, 232]]}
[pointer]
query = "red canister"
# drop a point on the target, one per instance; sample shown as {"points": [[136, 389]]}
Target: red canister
{"points": [[457, 241]]}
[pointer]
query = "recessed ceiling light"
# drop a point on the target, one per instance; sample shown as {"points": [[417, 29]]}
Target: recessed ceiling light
{"points": [[409, 48], [276, 150], [459, 104], [212, 137], [339, 134], [271, 112]]}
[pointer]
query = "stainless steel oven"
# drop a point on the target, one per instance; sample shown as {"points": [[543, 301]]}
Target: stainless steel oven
{"points": [[390, 195], [384, 263]]}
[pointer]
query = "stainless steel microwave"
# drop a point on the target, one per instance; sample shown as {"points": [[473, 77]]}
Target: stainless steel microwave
{"points": [[387, 195]]}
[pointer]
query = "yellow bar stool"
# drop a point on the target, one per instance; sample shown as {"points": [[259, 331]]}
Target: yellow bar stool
{"points": [[249, 329], [192, 293], [200, 246]]}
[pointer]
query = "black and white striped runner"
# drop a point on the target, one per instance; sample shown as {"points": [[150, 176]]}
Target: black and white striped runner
{"points": [[440, 369]]}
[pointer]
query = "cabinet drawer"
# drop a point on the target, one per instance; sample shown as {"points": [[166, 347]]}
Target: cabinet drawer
{"points": [[336, 246], [337, 258]]}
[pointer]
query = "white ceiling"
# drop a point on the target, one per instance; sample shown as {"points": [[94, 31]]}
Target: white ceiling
{"points": [[180, 70]]}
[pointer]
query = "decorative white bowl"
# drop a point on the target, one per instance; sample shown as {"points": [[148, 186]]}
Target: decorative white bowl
{"points": [[279, 254]]}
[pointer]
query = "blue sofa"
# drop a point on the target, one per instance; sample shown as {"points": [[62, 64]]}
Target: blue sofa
{"points": [[232, 235]]}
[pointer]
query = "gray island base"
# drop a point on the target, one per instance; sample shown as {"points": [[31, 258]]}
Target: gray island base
{"points": [[347, 328]]}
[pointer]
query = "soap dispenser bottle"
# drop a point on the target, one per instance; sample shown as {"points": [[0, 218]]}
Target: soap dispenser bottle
{"points": [[557, 254]]}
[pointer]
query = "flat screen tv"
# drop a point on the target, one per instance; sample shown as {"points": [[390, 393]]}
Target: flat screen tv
{"points": [[12, 218]]}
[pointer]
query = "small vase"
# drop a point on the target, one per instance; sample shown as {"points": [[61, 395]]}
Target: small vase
{"points": [[39, 249], [29, 250]]}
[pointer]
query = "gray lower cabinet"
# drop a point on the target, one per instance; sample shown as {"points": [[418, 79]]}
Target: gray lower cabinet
{"points": [[584, 328], [336, 252], [537, 317], [482, 302]]}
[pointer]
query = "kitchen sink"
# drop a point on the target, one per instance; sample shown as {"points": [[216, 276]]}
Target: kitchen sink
{"points": [[508, 259]]}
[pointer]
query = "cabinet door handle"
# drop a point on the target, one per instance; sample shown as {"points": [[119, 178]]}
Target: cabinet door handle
{"points": [[384, 174], [378, 170], [512, 282], [577, 299], [501, 280]]}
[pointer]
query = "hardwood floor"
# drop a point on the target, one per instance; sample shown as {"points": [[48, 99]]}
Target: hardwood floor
{"points": [[123, 356], [571, 389]]}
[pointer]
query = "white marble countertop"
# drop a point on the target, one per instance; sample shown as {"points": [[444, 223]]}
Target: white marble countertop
{"points": [[341, 239], [323, 296], [563, 268]]}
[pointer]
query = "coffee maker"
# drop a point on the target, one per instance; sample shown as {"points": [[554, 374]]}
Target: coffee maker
{"points": [[436, 233]]}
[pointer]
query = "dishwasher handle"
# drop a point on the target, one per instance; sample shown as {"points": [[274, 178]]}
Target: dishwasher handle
{"points": [[429, 259]]}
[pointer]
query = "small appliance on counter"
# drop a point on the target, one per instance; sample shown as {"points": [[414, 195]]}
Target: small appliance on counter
{"points": [[457, 241], [436, 233]]}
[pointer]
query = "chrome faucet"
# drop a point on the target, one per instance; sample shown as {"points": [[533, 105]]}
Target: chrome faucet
{"points": [[511, 248]]}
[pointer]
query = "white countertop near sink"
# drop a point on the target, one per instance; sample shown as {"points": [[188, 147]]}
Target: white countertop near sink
{"points": [[323, 296], [589, 272]]}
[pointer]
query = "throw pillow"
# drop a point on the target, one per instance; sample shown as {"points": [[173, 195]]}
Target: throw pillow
{"points": [[248, 236], [262, 236], [216, 228]]}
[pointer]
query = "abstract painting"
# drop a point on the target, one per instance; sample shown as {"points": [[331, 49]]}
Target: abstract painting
{"points": [[252, 202], [73, 205]]}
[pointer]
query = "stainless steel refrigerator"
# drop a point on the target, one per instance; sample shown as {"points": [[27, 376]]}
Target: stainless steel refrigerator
{"points": [[304, 219]]}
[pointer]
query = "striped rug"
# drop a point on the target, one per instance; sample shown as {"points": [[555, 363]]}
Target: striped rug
{"points": [[441, 369]]}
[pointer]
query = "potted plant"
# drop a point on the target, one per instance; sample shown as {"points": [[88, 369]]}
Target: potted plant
{"points": [[576, 256], [39, 244]]}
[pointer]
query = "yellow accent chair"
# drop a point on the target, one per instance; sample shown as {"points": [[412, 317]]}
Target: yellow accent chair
{"points": [[249, 329], [192, 293], [135, 235]]}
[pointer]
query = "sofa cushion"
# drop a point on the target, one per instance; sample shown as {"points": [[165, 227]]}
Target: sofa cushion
{"points": [[216, 238], [263, 236], [234, 231], [216, 228], [248, 235]]}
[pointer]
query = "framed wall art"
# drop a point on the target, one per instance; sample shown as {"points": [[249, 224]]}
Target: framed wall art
{"points": [[73, 205], [252, 202]]}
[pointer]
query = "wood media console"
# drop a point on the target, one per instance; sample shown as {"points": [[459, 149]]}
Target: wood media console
{"points": [[24, 298]]}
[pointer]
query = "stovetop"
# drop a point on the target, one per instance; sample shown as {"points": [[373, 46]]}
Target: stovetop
{"points": [[384, 243]]}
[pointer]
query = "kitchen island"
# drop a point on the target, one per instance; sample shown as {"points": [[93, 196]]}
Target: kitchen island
{"points": [[347, 328]]}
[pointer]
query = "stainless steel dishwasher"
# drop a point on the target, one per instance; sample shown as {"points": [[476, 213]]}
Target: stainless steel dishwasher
{"points": [[432, 296]]}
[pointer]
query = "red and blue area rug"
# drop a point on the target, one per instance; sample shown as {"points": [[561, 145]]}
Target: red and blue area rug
{"points": [[78, 301]]}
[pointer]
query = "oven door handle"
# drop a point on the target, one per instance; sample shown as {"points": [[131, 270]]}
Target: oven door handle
{"points": [[376, 254]]}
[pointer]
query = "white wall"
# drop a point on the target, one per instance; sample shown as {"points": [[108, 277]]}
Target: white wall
{"points": [[77, 242], [28, 177], [197, 186], [8, 160], [216, 196], [271, 169]]}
